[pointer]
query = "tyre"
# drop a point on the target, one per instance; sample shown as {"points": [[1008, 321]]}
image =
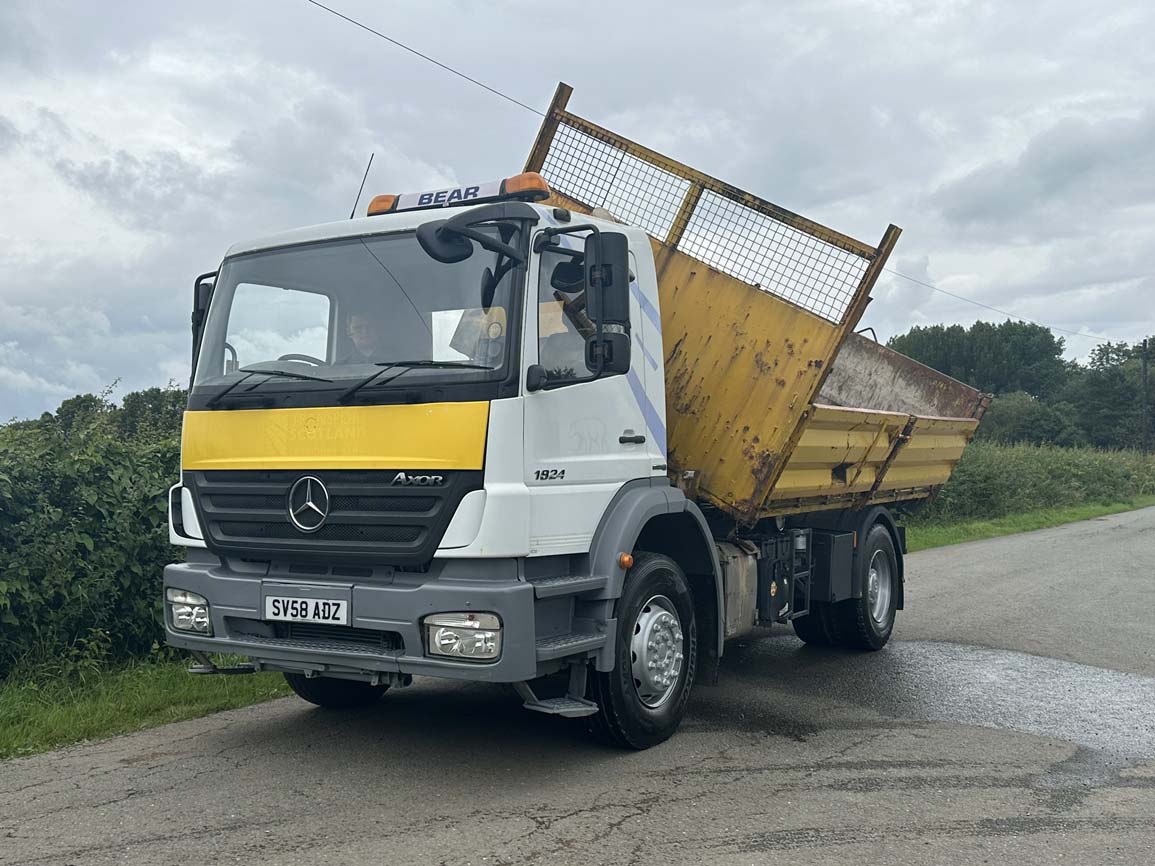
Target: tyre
{"points": [[642, 700], [817, 627], [333, 693], [866, 623]]}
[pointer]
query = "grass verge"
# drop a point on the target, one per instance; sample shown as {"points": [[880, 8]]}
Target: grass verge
{"points": [[922, 536], [38, 713]]}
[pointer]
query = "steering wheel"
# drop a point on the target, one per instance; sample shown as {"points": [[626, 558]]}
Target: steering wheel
{"points": [[308, 359]]}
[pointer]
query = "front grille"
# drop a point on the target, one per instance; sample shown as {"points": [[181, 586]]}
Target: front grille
{"points": [[341, 633], [329, 532], [326, 638], [408, 504], [370, 520], [403, 504]]}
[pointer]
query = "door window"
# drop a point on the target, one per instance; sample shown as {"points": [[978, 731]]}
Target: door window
{"points": [[562, 326]]}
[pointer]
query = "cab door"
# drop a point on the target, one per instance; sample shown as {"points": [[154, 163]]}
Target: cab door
{"points": [[584, 436]]}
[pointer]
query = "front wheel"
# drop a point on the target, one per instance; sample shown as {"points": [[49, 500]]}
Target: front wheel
{"points": [[642, 700], [334, 693]]}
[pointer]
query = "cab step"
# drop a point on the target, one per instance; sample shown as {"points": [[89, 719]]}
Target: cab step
{"points": [[549, 587], [570, 705], [563, 645], [571, 708]]}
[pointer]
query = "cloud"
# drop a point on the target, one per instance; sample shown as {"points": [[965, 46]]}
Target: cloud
{"points": [[139, 141], [120, 207], [1073, 172]]}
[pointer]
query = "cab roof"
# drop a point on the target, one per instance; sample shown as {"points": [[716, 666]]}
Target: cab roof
{"points": [[390, 222]]}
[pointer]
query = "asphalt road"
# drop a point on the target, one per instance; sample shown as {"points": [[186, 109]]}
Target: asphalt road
{"points": [[1012, 720]]}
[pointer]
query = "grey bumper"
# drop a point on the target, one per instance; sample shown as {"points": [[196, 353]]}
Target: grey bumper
{"points": [[236, 600]]}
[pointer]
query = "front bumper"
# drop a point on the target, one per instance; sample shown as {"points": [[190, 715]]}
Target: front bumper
{"points": [[236, 600]]}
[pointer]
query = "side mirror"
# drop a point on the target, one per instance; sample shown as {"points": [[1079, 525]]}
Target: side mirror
{"points": [[608, 352], [568, 276], [607, 264], [202, 295], [535, 377], [449, 248]]}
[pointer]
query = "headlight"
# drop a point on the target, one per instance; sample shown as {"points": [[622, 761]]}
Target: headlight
{"points": [[189, 611], [466, 636]]}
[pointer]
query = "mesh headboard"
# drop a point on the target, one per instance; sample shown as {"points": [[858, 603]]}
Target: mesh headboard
{"points": [[800, 261]]}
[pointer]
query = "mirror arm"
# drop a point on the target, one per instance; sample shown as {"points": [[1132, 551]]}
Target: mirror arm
{"points": [[485, 241], [464, 226], [544, 239], [540, 247]]}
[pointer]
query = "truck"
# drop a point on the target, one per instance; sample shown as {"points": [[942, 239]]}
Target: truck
{"points": [[570, 431]]}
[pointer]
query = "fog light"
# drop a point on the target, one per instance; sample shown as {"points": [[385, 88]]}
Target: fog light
{"points": [[466, 636], [189, 611]]}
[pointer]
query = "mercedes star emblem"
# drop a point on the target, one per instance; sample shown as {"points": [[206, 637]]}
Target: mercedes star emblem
{"points": [[308, 503]]}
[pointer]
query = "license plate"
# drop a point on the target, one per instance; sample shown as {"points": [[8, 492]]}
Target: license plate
{"points": [[327, 610]]}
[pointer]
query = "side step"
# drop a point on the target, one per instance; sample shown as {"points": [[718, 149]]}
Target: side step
{"points": [[563, 645], [570, 706], [548, 587]]}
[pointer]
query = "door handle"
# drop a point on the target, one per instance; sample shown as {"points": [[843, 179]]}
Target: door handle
{"points": [[632, 440]]}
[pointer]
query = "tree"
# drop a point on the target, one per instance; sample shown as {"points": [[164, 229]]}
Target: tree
{"points": [[998, 359], [153, 413], [1107, 396], [1019, 417]]}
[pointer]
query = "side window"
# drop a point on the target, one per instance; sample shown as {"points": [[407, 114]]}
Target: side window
{"points": [[266, 322], [562, 324]]}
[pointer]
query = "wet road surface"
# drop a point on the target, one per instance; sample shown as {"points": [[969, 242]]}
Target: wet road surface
{"points": [[1012, 719]]}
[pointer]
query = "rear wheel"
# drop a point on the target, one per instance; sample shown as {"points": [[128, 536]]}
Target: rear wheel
{"points": [[642, 700], [333, 693], [867, 622], [817, 627]]}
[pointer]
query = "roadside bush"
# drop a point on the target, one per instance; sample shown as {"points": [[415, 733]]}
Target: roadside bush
{"points": [[83, 532], [995, 480]]}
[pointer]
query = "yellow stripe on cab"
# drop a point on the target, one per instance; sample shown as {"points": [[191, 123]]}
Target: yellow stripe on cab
{"points": [[410, 436]]}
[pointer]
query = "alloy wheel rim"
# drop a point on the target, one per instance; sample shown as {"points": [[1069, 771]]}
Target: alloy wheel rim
{"points": [[879, 587], [657, 651]]}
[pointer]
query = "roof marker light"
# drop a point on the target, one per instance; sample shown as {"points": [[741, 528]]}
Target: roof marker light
{"points": [[528, 185], [381, 204]]}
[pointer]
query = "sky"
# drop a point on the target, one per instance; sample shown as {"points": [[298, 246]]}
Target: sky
{"points": [[1013, 143]]}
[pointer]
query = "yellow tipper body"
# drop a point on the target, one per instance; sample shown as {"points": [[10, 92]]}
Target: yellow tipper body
{"points": [[421, 436], [764, 416]]}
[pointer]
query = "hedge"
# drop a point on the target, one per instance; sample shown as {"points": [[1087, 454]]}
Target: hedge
{"points": [[83, 530]]}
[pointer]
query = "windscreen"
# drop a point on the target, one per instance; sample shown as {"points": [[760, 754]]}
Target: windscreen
{"points": [[340, 310]]}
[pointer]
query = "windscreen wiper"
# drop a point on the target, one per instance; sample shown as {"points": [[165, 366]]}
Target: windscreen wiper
{"points": [[386, 366], [250, 372]]}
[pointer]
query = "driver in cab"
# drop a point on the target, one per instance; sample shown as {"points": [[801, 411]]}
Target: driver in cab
{"points": [[366, 342]]}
